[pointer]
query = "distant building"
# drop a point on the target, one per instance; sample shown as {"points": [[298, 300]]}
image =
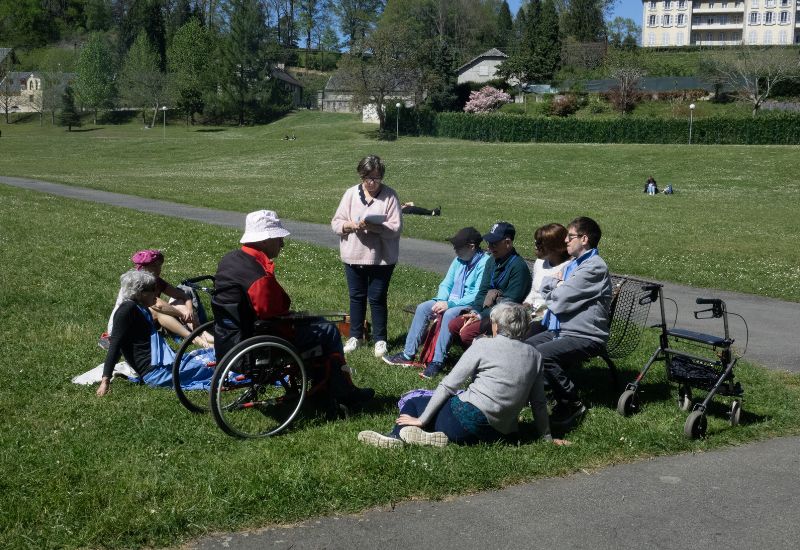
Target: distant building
{"points": [[23, 90], [715, 23], [289, 83], [482, 68], [339, 97]]}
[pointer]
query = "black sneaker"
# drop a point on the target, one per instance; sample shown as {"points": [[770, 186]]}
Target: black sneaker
{"points": [[436, 211], [433, 369], [566, 414], [398, 359], [357, 396]]}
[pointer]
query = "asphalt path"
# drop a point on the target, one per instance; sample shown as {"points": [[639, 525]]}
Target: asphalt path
{"points": [[744, 496]]}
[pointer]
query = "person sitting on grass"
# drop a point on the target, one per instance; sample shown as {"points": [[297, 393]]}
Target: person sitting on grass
{"points": [[551, 258], [506, 278], [176, 316], [577, 317], [503, 374], [456, 291], [411, 208], [247, 289], [136, 339]]}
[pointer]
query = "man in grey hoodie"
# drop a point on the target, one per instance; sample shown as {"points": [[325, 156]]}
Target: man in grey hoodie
{"points": [[577, 317]]}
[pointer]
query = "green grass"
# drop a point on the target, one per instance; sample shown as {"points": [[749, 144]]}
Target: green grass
{"points": [[733, 204], [136, 469]]}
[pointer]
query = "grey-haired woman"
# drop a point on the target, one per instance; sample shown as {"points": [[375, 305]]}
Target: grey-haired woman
{"points": [[505, 375]]}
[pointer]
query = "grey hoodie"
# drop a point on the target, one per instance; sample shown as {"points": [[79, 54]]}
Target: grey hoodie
{"points": [[581, 302]]}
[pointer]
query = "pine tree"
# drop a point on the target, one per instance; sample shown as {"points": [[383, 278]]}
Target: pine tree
{"points": [[188, 57], [505, 27], [69, 116], [583, 20]]}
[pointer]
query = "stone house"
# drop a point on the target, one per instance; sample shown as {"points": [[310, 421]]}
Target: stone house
{"points": [[288, 83], [338, 96]]}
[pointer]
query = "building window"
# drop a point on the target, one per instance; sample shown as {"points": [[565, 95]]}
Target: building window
{"points": [[709, 36], [784, 17], [483, 70], [784, 3], [768, 37], [753, 3], [724, 5], [769, 18], [783, 37], [681, 20], [753, 18], [769, 3], [751, 38], [665, 39], [666, 20], [653, 5], [679, 39], [651, 39], [681, 4], [651, 21], [709, 21], [667, 4], [711, 5]]}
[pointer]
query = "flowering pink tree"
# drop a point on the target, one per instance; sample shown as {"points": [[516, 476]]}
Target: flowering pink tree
{"points": [[485, 100]]}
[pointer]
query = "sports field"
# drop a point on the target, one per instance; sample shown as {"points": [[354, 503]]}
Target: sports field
{"points": [[136, 469]]}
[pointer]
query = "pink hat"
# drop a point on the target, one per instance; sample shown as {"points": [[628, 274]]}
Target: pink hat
{"points": [[262, 225], [146, 257]]}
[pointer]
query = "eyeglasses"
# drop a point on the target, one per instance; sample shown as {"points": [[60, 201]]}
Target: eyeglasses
{"points": [[373, 180], [571, 236]]}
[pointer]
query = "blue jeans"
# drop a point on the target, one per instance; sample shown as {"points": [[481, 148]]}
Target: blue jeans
{"points": [[421, 316], [368, 283], [447, 422]]}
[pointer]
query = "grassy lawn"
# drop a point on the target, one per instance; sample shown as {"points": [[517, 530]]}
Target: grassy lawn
{"points": [[136, 469], [719, 230]]}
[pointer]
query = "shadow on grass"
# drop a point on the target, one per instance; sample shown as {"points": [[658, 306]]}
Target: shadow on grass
{"points": [[81, 130], [210, 130]]}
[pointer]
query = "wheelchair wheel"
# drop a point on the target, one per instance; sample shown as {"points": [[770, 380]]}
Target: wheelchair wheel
{"points": [[735, 414], [194, 400], [628, 403], [258, 387]]}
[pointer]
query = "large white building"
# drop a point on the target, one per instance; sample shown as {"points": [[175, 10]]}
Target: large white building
{"points": [[716, 23]]}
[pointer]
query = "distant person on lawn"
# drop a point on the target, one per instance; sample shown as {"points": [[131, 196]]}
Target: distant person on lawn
{"points": [[456, 291], [577, 317], [506, 278]]}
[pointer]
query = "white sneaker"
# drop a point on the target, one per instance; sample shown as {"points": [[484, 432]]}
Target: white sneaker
{"points": [[379, 440], [351, 345], [380, 348], [417, 436]]}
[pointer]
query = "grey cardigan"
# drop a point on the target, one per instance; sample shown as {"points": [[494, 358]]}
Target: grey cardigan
{"points": [[505, 374], [582, 302]]}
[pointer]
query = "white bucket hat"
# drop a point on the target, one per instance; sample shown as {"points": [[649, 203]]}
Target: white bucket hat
{"points": [[262, 225]]}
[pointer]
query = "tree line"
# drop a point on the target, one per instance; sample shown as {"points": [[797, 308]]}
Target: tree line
{"points": [[215, 56]]}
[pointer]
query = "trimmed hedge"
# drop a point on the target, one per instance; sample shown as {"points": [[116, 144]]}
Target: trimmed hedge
{"points": [[779, 129]]}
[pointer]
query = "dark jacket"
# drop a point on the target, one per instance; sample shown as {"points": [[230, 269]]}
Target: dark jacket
{"points": [[510, 276]]}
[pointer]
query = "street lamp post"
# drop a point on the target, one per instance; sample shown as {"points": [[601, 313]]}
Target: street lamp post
{"points": [[691, 113], [397, 120], [164, 110]]}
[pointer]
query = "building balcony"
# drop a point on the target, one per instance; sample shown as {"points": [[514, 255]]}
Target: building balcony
{"points": [[720, 26], [717, 9]]}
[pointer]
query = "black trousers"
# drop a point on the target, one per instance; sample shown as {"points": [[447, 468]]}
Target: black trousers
{"points": [[558, 354]]}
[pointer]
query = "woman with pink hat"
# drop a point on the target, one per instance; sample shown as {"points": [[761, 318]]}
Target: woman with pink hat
{"points": [[176, 315]]}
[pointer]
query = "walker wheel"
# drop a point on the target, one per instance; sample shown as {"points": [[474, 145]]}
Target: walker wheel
{"points": [[735, 414], [685, 398], [696, 424], [628, 403]]}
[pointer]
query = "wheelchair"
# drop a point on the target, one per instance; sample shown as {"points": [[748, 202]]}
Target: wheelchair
{"points": [[263, 381], [708, 365]]}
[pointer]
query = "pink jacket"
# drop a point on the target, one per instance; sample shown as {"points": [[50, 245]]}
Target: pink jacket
{"points": [[369, 247]]}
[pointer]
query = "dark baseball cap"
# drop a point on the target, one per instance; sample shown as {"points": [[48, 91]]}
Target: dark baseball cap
{"points": [[468, 235], [500, 231]]}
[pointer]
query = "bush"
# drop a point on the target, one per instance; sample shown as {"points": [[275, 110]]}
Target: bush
{"points": [[782, 128], [564, 105], [513, 109], [485, 100]]}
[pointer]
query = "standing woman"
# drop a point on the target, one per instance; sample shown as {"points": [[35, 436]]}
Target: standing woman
{"points": [[368, 222]]}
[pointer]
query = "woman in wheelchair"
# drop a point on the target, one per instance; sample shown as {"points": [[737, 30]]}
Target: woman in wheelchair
{"points": [[176, 316], [136, 339]]}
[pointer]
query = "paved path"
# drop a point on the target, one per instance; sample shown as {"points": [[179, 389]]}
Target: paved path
{"points": [[773, 323], [744, 497]]}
